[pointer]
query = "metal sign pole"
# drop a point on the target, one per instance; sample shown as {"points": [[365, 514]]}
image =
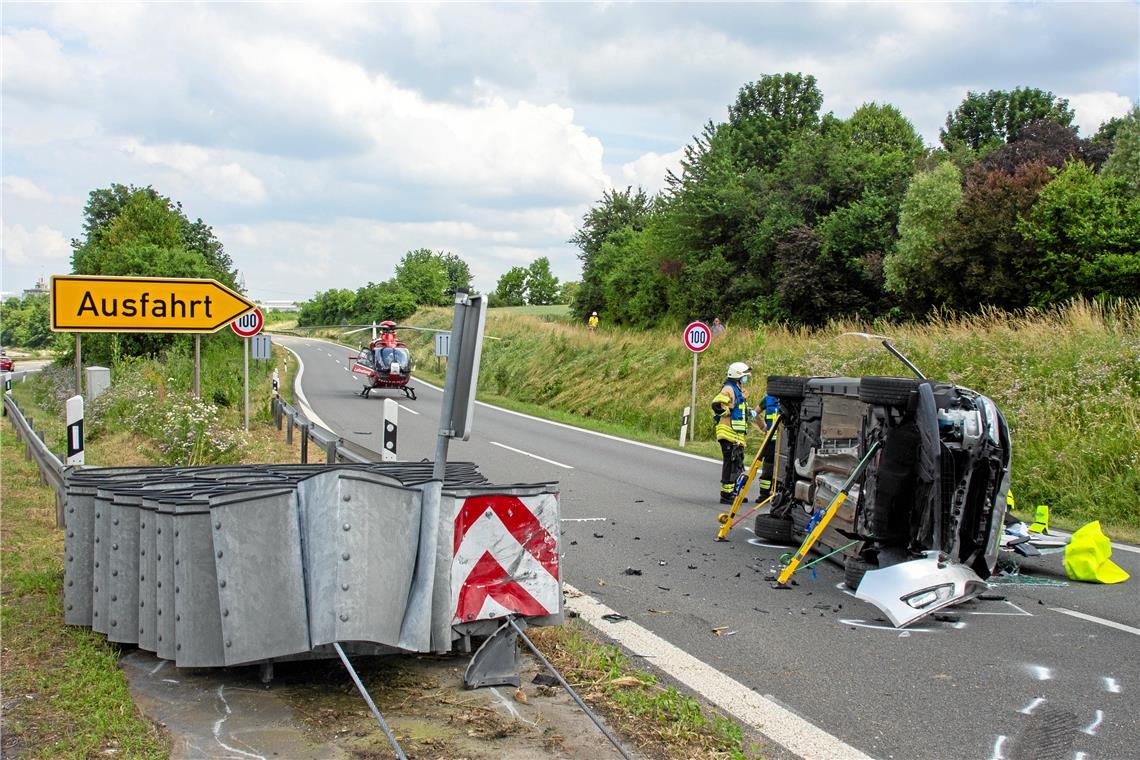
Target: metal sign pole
{"points": [[693, 405], [78, 364], [197, 366], [246, 357]]}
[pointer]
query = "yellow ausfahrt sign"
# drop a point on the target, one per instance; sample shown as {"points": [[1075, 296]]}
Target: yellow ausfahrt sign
{"points": [[82, 303]]}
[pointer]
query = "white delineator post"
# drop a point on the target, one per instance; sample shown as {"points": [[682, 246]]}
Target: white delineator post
{"points": [[684, 424], [391, 411], [74, 431]]}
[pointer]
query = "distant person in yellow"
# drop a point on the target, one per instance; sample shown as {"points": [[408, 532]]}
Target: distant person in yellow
{"points": [[592, 322]]}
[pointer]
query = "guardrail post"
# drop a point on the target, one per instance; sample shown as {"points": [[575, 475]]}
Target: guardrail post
{"points": [[304, 443], [289, 428], [330, 451], [39, 434]]}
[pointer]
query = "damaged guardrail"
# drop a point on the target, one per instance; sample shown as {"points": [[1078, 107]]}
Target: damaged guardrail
{"points": [[220, 566]]}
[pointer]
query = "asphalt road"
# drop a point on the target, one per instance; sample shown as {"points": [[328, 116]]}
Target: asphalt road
{"points": [[1041, 671]]}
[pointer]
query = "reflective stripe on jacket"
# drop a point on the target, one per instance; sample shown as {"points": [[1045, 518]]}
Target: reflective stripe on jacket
{"points": [[733, 425]]}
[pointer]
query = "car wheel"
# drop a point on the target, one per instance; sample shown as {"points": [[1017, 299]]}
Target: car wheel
{"points": [[785, 387], [854, 568], [778, 530], [800, 520], [887, 391]]}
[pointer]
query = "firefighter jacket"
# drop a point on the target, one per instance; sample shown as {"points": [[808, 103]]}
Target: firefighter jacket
{"points": [[732, 423]]}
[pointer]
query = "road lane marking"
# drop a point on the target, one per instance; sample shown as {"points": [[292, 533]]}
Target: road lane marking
{"points": [[1095, 619], [1029, 708], [528, 454], [300, 394], [407, 408], [763, 714], [1121, 547], [584, 519]]}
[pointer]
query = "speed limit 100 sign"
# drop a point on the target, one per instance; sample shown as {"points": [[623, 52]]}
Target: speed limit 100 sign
{"points": [[697, 336], [248, 324]]}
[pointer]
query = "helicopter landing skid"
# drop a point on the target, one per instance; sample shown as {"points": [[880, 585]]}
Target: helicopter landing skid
{"points": [[364, 393], [409, 392]]}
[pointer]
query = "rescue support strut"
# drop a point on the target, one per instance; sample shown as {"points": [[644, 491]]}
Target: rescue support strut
{"points": [[726, 520]]}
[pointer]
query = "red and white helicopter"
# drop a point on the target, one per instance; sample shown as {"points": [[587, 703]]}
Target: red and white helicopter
{"points": [[386, 362]]}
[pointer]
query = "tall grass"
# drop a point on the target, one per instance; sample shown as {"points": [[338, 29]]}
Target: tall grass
{"points": [[1067, 379]]}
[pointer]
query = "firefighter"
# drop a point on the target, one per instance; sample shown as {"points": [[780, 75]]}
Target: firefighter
{"points": [[771, 408], [731, 415]]}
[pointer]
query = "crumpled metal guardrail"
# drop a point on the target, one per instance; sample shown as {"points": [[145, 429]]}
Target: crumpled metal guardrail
{"points": [[219, 566], [227, 565]]}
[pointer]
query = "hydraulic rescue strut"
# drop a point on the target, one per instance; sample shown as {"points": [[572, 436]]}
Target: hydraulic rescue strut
{"points": [[832, 508], [726, 521]]}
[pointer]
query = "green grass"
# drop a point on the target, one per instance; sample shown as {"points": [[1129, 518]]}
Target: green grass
{"points": [[1067, 380], [661, 720], [64, 694]]}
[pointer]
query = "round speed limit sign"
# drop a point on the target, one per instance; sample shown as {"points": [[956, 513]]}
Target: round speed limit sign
{"points": [[248, 324], [697, 336]]}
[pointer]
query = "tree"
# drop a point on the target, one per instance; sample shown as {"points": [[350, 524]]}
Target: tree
{"points": [[423, 273], [928, 210], [983, 259], [1124, 162], [131, 231], [1046, 142], [378, 302], [768, 114], [458, 273], [616, 210], [541, 284], [511, 289], [568, 292], [1086, 228], [985, 120]]}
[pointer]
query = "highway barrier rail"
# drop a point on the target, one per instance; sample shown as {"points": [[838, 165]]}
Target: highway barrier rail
{"points": [[227, 565]]}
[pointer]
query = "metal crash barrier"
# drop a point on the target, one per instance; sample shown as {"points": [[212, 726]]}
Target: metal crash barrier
{"points": [[220, 566]]}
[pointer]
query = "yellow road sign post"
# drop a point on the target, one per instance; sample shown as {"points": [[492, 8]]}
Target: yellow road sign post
{"points": [[82, 303]]}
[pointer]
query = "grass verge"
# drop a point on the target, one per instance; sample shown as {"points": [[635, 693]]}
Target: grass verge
{"points": [[661, 721], [64, 696]]}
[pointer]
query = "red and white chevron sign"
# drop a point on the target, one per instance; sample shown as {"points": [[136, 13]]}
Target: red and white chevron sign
{"points": [[505, 557]]}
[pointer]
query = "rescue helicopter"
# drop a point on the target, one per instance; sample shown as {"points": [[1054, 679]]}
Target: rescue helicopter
{"points": [[386, 362]]}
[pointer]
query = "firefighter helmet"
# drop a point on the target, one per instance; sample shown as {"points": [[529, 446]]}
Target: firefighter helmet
{"points": [[737, 370]]}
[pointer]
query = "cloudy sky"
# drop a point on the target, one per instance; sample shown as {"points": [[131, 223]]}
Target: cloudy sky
{"points": [[324, 141]]}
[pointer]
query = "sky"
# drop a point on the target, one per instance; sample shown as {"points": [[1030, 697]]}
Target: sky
{"points": [[322, 142]]}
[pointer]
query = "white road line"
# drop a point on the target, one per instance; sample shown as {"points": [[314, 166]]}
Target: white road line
{"points": [[563, 425], [300, 394], [532, 456], [1121, 547], [407, 409], [761, 713], [1095, 619], [1029, 708], [584, 519]]}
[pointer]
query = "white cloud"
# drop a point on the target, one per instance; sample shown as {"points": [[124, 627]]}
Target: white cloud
{"points": [[24, 188], [649, 170], [1094, 108], [225, 180], [22, 246], [36, 67]]}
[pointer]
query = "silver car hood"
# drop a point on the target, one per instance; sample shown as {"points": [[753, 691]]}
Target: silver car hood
{"points": [[909, 591]]}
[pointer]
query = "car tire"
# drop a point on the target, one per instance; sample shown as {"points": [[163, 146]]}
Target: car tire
{"points": [[778, 530], [800, 520], [854, 568], [786, 387], [887, 391]]}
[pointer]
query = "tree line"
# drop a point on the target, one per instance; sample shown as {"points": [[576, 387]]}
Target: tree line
{"points": [[784, 214]]}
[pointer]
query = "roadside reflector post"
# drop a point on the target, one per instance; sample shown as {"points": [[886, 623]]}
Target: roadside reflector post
{"points": [[391, 412], [684, 425], [74, 431]]}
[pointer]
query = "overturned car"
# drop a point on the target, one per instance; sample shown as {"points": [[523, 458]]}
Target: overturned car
{"points": [[935, 490]]}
